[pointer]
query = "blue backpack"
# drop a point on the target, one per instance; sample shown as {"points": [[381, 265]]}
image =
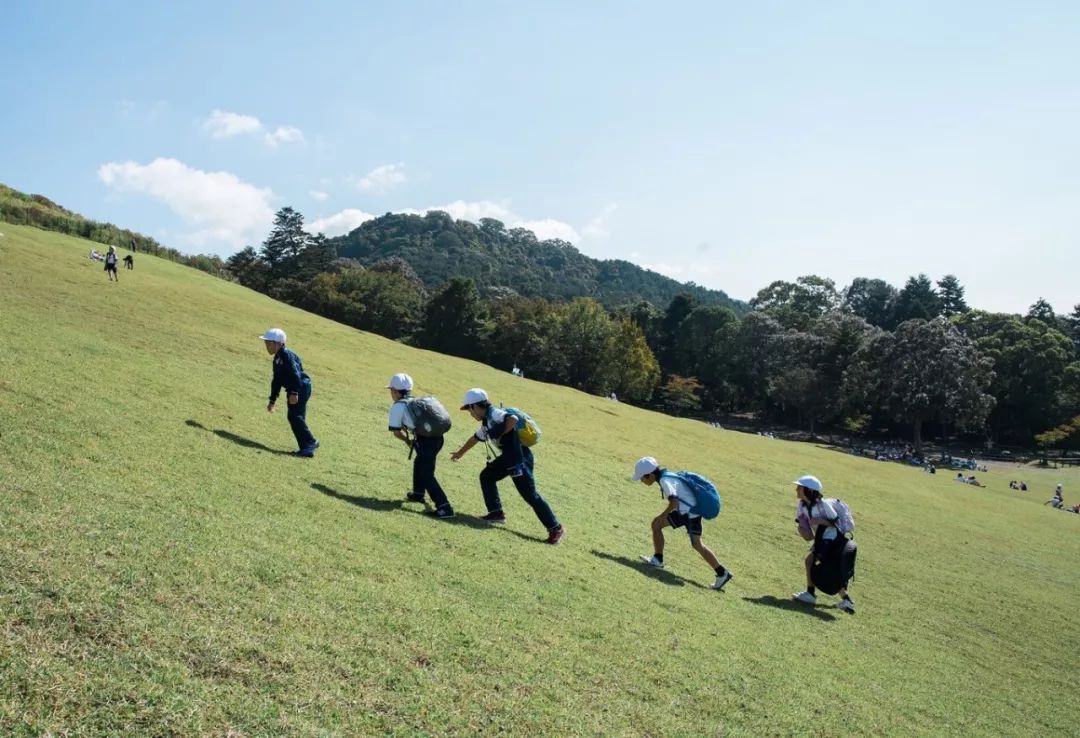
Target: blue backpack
{"points": [[708, 498]]}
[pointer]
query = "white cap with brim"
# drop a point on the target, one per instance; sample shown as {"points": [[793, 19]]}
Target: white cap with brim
{"points": [[401, 382], [645, 465], [474, 396], [809, 482], [274, 334]]}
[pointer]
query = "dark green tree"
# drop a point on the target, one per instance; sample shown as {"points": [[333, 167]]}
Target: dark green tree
{"points": [[248, 269], [797, 304], [926, 370], [873, 300], [917, 301], [951, 296], [1042, 310], [1072, 327], [1029, 362], [455, 321], [287, 240]]}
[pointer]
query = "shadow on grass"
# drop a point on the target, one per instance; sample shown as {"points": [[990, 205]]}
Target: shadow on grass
{"points": [[792, 605], [376, 504], [238, 440], [661, 575]]}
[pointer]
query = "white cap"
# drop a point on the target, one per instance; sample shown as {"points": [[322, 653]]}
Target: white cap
{"points": [[645, 465], [400, 382], [274, 334], [809, 482], [474, 396]]}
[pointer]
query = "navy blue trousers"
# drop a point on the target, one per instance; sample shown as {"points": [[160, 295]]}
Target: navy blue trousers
{"points": [[298, 417], [524, 482], [423, 469]]}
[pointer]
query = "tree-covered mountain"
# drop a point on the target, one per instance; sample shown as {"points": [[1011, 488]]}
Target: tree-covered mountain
{"points": [[440, 248]]}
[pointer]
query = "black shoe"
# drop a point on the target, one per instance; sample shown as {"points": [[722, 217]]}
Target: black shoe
{"points": [[415, 497], [442, 513]]}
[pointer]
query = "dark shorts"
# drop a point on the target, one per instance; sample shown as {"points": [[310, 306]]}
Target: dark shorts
{"points": [[110, 268], [692, 522]]}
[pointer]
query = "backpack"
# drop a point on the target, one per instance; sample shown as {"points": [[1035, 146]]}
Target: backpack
{"points": [[834, 568], [707, 498], [528, 430], [428, 415], [844, 522]]}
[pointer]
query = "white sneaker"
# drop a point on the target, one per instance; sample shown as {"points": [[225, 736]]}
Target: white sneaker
{"points": [[721, 581], [652, 561], [846, 606], [806, 597]]}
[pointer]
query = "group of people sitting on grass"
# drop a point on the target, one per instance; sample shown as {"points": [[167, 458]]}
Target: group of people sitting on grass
{"points": [[1020, 486], [508, 435]]}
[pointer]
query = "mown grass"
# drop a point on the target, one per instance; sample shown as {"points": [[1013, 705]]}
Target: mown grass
{"points": [[165, 570]]}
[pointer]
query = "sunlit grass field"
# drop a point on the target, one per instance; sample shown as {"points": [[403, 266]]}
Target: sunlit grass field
{"points": [[166, 569]]}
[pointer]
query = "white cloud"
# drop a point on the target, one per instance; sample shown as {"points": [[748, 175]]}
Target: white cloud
{"points": [[670, 270], [222, 207], [544, 228], [383, 178], [339, 223], [597, 228], [223, 124], [318, 195], [284, 134], [550, 228], [695, 272], [474, 211]]}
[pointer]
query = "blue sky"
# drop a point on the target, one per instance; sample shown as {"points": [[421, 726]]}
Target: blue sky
{"points": [[710, 141]]}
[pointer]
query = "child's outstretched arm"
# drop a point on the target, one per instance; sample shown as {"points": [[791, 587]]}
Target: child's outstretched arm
{"points": [[473, 440]]}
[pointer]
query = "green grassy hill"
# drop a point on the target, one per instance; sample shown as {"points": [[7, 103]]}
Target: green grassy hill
{"points": [[166, 570]]}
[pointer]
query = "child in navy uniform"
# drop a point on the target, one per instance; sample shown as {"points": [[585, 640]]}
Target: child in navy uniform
{"points": [[514, 461], [680, 499], [289, 374]]}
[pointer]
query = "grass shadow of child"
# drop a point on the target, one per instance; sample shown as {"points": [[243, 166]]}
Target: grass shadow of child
{"points": [[238, 440], [661, 575], [791, 605], [379, 505]]}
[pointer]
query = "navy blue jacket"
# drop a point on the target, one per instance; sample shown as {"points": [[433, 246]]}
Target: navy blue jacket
{"points": [[288, 373]]}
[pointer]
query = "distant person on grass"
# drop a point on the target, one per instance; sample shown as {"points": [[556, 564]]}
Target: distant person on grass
{"points": [[1057, 501], [817, 518], [680, 512], [289, 375], [426, 444], [110, 265], [514, 460], [129, 261]]}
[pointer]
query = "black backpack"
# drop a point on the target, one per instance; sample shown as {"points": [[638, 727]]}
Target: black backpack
{"points": [[835, 566], [429, 416]]}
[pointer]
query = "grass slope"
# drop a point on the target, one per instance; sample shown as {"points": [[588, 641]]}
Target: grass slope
{"points": [[166, 570]]}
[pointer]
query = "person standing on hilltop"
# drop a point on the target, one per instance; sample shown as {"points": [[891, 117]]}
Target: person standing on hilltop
{"points": [[110, 265], [289, 374]]}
